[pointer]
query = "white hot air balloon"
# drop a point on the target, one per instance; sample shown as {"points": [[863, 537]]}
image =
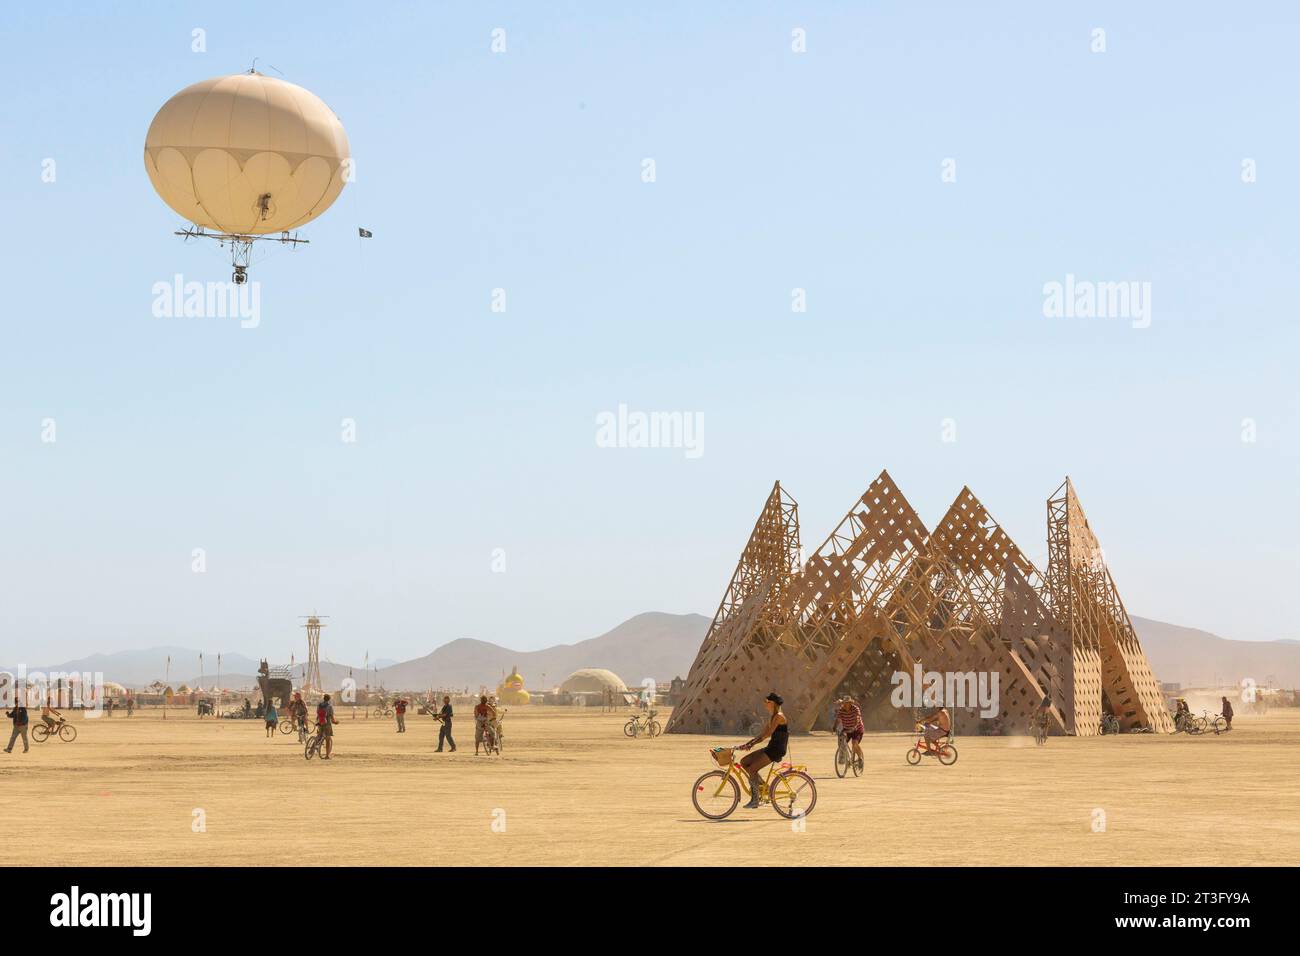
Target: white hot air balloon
{"points": [[246, 157]]}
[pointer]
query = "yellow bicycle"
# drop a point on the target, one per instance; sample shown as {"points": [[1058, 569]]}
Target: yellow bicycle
{"points": [[788, 787]]}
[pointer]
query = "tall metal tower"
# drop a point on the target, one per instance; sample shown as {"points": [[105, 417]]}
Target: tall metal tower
{"points": [[311, 681]]}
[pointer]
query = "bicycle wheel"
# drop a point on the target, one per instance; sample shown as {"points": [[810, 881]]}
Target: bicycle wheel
{"points": [[39, 733], [842, 761], [857, 766], [286, 726], [948, 755], [629, 729], [1219, 725], [914, 756], [793, 793], [655, 728], [716, 795], [68, 733]]}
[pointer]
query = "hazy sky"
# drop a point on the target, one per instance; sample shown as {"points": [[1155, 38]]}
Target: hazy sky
{"points": [[774, 171]]}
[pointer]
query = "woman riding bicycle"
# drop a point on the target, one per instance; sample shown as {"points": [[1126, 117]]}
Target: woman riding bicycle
{"points": [[779, 733]]}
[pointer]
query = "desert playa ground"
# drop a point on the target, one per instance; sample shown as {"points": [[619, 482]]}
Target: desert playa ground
{"points": [[571, 789]]}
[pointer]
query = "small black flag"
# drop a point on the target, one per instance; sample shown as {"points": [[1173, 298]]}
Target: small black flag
{"points": [[365, 233]]}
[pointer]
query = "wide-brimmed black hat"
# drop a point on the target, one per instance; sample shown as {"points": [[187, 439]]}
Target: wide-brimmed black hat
{"points": [[775, 698]]}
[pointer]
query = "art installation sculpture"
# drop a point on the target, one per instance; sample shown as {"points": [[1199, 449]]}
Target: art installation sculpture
{"points": [[884, 597], [275, 684]]}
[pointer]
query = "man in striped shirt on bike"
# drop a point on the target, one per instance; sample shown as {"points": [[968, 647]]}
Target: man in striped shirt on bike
{"points": [[848, 721]]}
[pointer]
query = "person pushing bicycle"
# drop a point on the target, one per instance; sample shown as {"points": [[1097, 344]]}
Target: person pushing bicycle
{"points": [[848, 722], [484, 714], [779, 732], [325, 724]]}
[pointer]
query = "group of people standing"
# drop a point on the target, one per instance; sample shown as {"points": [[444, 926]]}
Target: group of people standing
{"points": [[485, 713]]}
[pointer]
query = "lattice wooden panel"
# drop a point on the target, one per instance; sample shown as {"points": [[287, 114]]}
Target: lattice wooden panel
{"points": [[1085, 597], [745, 614]]}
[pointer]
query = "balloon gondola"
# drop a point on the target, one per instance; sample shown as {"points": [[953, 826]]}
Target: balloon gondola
{"points": [[246, 158]]}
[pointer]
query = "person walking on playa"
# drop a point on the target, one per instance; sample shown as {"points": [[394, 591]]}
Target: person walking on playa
{"points": [[298, 711], [1227, 712], [399, 708], [444, 732], [19, 715], [270, 718]]}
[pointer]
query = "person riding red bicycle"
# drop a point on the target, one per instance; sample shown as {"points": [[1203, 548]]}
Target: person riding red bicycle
{"points": [[936, 725]]}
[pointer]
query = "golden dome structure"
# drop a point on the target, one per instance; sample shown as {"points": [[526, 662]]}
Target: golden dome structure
{"points": [[512, 690]]}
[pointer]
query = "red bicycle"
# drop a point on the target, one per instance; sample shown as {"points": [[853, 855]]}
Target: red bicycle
{"points": [[943, 749]]}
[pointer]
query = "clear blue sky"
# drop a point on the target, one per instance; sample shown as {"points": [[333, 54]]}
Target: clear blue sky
{"points": [[775, 170]]}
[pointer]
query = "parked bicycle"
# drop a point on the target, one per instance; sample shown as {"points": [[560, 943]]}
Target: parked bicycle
{"points": [[1109, 724], [1218, 724], [635, 726], [788, 788], [1188, 723]]}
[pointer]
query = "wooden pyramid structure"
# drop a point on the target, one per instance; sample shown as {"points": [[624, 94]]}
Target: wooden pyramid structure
{"points": [[883, 596]]}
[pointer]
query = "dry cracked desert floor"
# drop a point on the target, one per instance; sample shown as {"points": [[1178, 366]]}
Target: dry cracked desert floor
{"points": [[571, 789]]}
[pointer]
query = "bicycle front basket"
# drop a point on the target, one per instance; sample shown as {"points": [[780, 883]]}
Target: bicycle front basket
{"points": [[722, 756]]}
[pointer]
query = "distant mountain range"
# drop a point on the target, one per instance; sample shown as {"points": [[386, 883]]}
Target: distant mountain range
{"points": [[661, 646], [1195, 658]]}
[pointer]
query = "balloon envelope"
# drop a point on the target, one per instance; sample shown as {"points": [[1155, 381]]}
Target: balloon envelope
{"points": [[246, 154]]}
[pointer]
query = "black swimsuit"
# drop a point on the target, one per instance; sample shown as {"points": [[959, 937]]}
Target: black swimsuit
{"points": [[776, 746]]}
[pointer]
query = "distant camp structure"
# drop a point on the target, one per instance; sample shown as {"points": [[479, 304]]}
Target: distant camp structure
{"points": [[594, 685], [883, 595], [512, 690]]}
